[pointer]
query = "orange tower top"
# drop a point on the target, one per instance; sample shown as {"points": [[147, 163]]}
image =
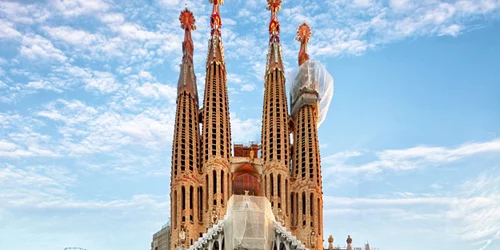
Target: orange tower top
{"points": [[187, 78], [187, 24], [274, 25], [215, 21], [303, 35]]}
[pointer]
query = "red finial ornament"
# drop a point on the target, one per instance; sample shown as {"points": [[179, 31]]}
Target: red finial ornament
{"points": [[303, 35], [187, 20], [274, 26], [215, 21], [187, 24]]}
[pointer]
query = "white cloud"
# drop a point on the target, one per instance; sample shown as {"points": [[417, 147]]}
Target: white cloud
{"points": [[112, 18], [35, 47], [169, 3], [401, 5], [244, 130], [478, 219], [452, 30], [11, 150], [72, 36], [105, 82], [8, 30], [135, 31], [411, 158], [80, 7], [362, 3], [24, 13], [157, 91], [248, 87]]}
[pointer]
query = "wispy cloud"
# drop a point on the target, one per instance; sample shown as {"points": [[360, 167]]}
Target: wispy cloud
{"points": [[478, 219], [407, 159]]}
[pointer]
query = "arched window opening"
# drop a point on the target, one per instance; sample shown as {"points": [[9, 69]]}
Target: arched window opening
{"points": [[229, 191], [320, 215], [174, 216], [183, 197], [206, 191], [303, 203], [265, 185], [279, 186], [287, 208], [282, 246], [222, 182], [311, 200], [272, 185], [214, 175], [200, 204]]}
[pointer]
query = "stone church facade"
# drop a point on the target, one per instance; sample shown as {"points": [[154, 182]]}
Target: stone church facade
{"points": [[285, 167]]}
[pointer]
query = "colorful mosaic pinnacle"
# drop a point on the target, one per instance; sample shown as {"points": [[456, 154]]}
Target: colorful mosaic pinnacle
{"points": [[187, 24], [187, 20], [303, 36], [215, 21], [274, 26]]}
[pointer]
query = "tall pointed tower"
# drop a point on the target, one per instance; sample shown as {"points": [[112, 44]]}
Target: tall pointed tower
{"points": [[307, 187], [185, 183], [274, 135], [216, 132]]}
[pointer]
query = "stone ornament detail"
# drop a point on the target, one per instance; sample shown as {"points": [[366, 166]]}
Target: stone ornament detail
{"points": [[303, 35]]}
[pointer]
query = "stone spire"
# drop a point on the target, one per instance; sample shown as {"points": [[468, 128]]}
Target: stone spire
{"points": [[216, 132], [184, 185], [187, 78], [307, 196], [215, 48], [274, 56], [275, 137]]}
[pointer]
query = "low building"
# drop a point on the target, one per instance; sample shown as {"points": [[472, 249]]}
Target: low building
{"points": [[161, 239]]}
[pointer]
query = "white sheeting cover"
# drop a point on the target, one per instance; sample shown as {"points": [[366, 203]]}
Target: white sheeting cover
{"points": [[249, 223], [312, 75]]}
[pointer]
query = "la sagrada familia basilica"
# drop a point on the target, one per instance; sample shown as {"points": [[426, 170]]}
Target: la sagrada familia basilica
{"points": [[258, 196]]}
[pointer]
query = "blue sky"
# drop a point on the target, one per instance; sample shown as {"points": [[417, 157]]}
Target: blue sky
{"points": [[410, 147]]}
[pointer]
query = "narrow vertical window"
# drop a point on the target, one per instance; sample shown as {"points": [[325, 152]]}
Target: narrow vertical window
{"points": [[206, 191], [222, 182], [303, 203], [229, 191], [183, 197], [311, 200], [222, 186], [279, 186], [292, 208], [214, 175], [320, 216], [200, 204], [174, 217], [272, 185], [287, 208], [191, 194]]}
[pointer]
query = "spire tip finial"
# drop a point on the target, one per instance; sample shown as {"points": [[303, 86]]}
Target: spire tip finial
{"points": [[303, 35], [274, 5], [274, 26], [187, 20], [215, 20]]}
